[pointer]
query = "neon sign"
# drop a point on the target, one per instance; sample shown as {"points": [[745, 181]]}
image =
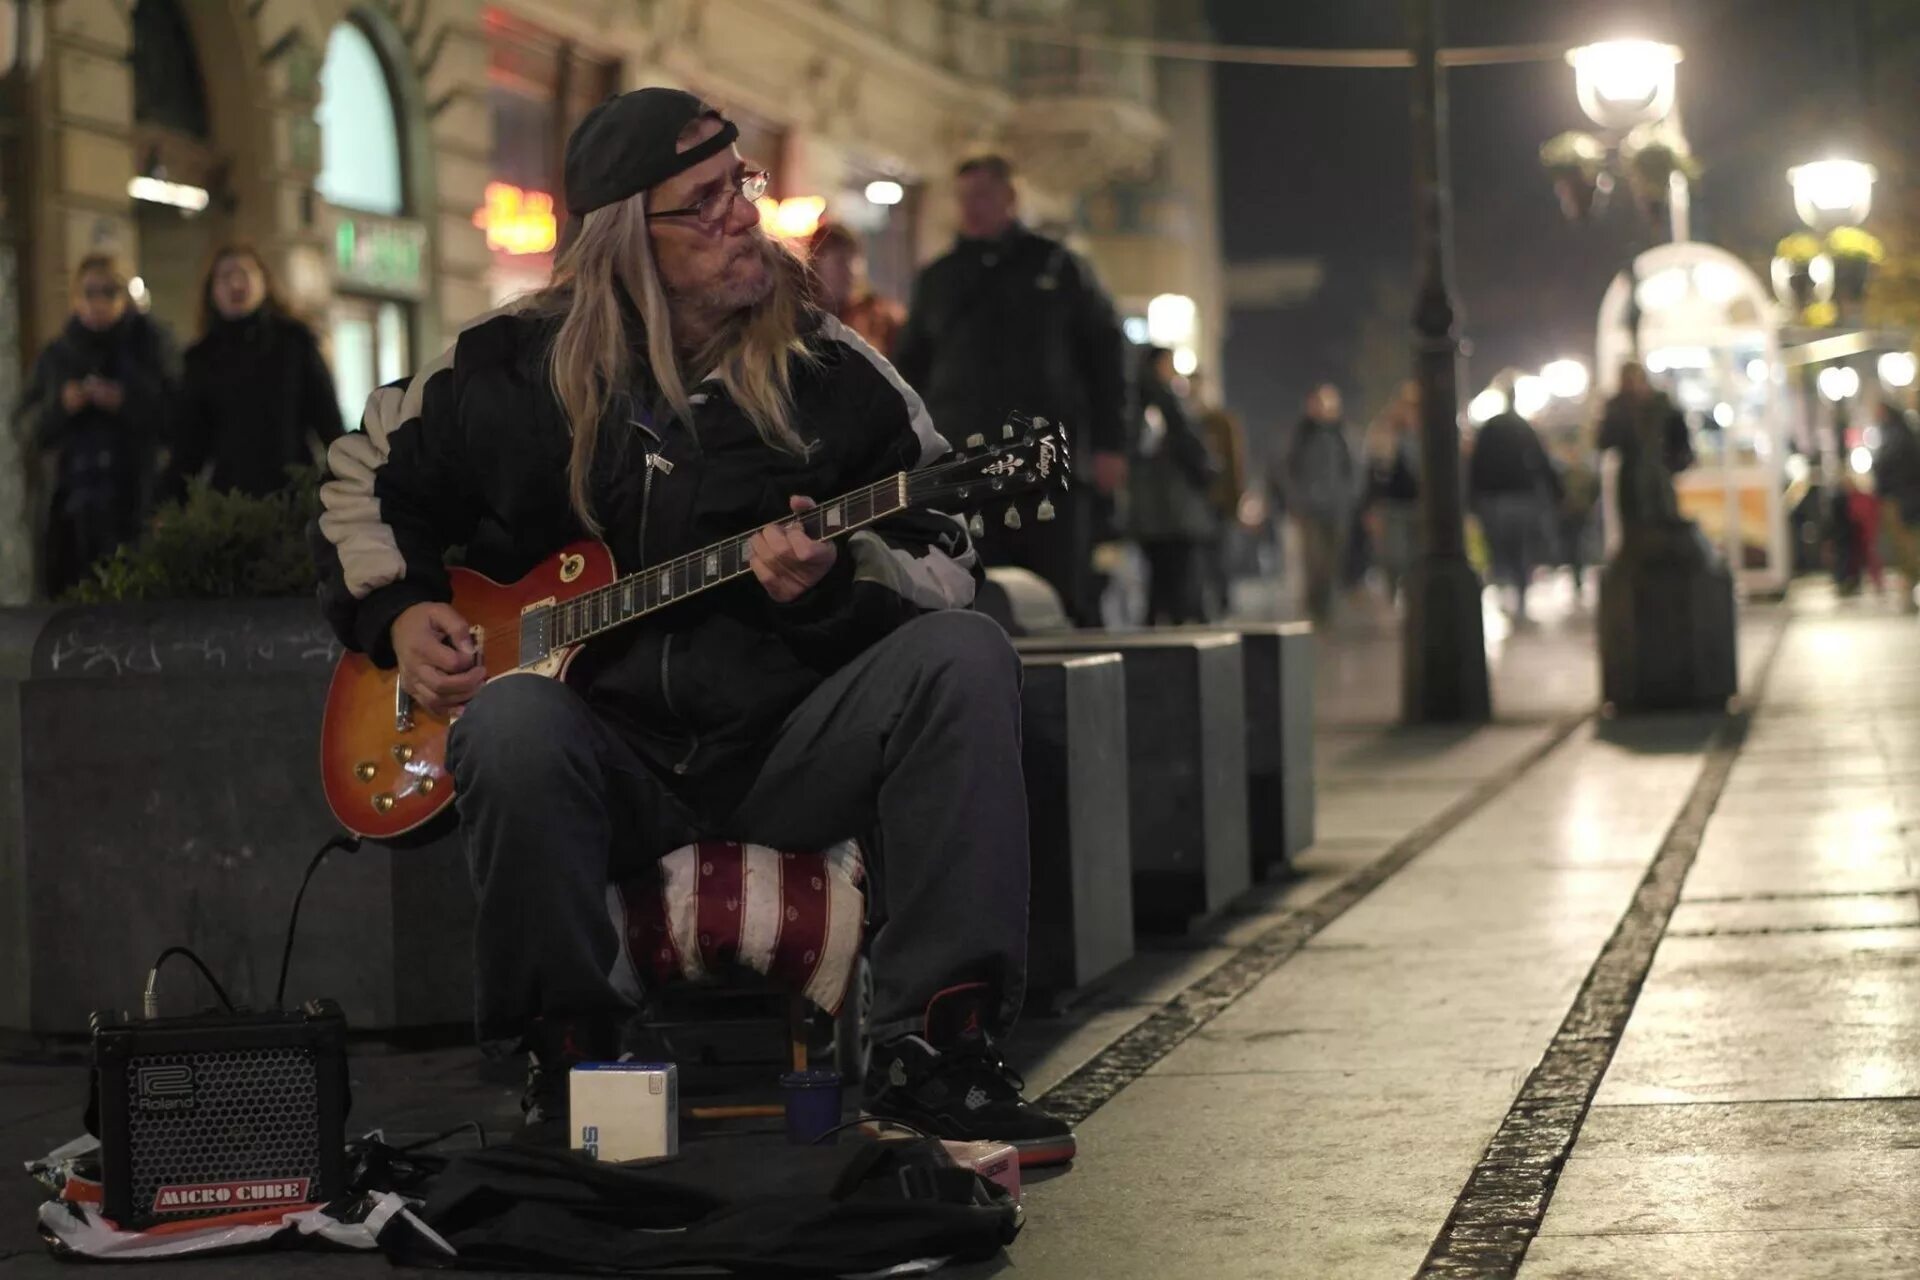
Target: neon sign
{"points": [[517, 221]]}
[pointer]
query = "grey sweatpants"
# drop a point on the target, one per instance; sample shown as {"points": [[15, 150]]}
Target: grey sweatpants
{"points": [[913, 748]]}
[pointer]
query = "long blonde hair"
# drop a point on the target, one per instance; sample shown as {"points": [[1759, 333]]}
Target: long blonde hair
{"points": [[591, 362]]}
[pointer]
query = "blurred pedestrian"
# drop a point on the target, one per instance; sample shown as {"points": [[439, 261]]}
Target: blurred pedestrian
{"points": [[1640, 420], [1393, 486], [1863, 524], [1579, 494], [1896, 473], [97, 400], [256, 397], [1226, 442], [1320, 483], [1009, 320], [840, 275], [1170, 510], [1513, 489]]}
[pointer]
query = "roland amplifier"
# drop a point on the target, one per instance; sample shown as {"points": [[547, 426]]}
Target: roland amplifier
{"points": [[220, 1113]]}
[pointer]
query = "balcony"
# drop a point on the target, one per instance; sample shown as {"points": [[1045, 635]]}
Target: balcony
{"points": [[1084, 114]]}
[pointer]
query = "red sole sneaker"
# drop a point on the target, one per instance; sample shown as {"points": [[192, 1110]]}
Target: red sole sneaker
{"points": [[1041, 1153]]}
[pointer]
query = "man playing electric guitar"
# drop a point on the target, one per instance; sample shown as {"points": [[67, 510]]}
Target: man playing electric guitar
{"points": [[672, 387]]}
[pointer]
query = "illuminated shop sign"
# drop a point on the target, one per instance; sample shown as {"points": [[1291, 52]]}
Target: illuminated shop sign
{"points": [[517, 221]]}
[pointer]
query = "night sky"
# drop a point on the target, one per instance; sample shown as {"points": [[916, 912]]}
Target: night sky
{"points": [[1316, 164]]}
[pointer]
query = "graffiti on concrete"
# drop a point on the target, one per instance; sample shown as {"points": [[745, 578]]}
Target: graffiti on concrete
{"points": [[184, 642]]}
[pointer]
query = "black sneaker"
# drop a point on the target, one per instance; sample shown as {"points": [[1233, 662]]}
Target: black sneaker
{"points": [[962, 1090], [555, 1046]]}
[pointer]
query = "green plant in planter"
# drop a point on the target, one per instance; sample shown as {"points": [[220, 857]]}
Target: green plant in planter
{"points": [[214, 546]]}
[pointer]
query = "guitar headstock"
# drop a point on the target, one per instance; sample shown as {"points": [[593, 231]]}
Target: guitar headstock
{"points": [[1029, 456]]}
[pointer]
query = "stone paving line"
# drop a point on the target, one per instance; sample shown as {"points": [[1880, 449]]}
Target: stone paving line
{"points": [[1761, 1115]]}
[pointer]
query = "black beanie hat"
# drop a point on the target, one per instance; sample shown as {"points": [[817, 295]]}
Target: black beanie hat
{"points": [[626, 144]]}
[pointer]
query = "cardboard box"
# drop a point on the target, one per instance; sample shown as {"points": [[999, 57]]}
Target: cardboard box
{"points": [[625, 1110]]}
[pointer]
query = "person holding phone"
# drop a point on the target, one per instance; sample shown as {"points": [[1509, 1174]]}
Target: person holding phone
{"points": [[97, 401]]}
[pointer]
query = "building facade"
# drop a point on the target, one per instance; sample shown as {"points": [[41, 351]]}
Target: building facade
{"points": [[397, 162]]}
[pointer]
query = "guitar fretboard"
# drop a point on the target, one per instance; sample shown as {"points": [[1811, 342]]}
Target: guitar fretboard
{"points": [[607, 607]]}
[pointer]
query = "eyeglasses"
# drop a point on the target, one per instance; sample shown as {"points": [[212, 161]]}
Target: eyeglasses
{"points": [[102, 292], [749, 185]]}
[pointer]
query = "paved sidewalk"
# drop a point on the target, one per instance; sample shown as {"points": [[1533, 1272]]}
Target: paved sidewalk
{"points": [[1761, 1116], [1325, 1123]]}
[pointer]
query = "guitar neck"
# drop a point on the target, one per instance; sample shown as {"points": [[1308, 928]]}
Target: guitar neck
{"points": [[639, 594]]}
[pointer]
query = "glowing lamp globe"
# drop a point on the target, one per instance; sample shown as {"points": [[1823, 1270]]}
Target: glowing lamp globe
{"points": [[1625, 83], [1832, 193]]}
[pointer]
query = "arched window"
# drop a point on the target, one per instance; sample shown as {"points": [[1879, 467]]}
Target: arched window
{"points": [[359, 127], [166, 70]]}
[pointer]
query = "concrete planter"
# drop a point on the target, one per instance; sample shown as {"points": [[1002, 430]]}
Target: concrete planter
{"points": [[158, 786]]}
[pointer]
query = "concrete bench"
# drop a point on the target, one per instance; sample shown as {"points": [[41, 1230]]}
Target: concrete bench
{"points": [[158, 786], [1280, 795], [1186, 768], [1074, 755]]}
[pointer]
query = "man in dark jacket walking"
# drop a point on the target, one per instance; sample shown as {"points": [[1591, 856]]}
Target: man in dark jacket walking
{"points": [[1010, 320], [1512, 486], [673, 388], [1896, 477], [1321, 483]]}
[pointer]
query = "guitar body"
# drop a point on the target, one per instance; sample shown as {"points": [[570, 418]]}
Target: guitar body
{"points": [[383, 762]]}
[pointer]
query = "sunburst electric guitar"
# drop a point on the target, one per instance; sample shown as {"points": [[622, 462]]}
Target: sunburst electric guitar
{"points": [[383, 759]]}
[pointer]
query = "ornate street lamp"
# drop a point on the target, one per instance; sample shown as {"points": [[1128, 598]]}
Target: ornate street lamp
{"points": [[1666, 603], [1626, 87]]}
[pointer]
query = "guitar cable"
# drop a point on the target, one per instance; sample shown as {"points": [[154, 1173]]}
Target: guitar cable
{"points": [[150, 995], [340, 840]]}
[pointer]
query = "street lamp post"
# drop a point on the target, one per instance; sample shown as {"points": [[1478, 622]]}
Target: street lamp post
{"points": [[1444, 657], [1666, 602]]}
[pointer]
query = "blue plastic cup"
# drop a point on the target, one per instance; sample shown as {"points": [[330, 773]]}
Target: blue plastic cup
{"points": [[813, 1104]]}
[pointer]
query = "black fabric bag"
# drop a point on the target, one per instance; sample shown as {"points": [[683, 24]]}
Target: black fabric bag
{"points": [[744, 1207]]}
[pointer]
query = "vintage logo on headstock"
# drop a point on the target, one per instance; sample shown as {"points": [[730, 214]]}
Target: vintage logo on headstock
{"points": [[1046, 459]]}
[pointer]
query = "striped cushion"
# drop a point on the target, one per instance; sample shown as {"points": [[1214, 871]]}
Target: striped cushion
{"points": [[794, 917]]}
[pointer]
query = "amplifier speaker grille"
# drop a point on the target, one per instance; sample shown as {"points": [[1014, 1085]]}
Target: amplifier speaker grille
{"points": [[240, 1114]]}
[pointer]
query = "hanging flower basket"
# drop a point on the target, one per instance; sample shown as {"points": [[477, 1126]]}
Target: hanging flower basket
{"points": [[1651, 164], [1577, 164], [1852, 242], [1799, 248]]}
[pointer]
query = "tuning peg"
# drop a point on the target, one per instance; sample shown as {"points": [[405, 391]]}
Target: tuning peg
{"points": [[976, 526], [1013, 518], [1006, 432], [975, 440], [1044, 512], [1039, 424]]}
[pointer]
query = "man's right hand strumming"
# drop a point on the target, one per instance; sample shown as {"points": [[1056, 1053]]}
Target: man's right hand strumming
{"points": [[440, 666]]}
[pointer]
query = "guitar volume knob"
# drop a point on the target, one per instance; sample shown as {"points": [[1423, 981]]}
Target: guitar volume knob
{"points": [[365, 770], [383, 803]]}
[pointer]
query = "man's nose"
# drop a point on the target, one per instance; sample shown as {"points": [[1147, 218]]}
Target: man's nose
{"points": [[743, 216]]}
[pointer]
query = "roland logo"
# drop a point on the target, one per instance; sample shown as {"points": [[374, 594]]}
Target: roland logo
{"points": [[252, 1194], [164, 1088]]}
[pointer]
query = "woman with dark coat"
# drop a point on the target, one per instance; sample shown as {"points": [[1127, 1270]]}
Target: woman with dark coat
{"points": [[97, 400], [257, 397]]}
